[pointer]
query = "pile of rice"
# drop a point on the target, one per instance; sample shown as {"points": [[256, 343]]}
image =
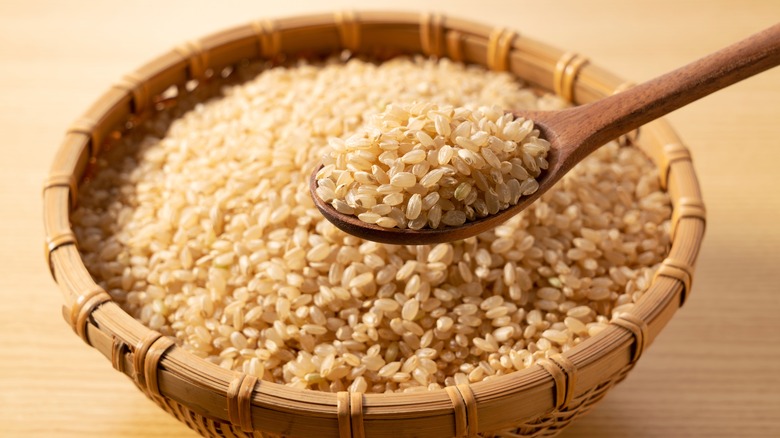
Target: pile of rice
{"points": [[425, 165], [206, 233]]}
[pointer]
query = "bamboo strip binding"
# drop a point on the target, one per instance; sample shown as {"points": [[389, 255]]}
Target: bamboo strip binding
{"points": [[268, 39], [687, 207], [197, 59], [349, 407], [673, 152], [565, 75], [432, 34], [459, 408], [82, 309], [499, 43], [118, 351], [146, 360], [680, 271], [578, 383], [239, 398], [344, 415], [349, 30], [356, 415], [464, 405], [138, 89], [63, 180], [55, 242], [455, 45], [563, 373], [638, 328], [86, 127]]}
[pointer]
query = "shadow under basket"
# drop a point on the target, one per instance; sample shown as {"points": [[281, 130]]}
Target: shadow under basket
{"points": [[539, 401]]}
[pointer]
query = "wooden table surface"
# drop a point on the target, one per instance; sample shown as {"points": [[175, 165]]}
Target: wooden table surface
{"points": [[714, 371]]}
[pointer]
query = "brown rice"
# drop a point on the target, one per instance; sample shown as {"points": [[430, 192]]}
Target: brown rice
{"points": [[467, 163], [207, 234]]}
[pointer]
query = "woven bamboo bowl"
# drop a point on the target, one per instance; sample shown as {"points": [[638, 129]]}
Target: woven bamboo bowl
{"points": [[539, 401]]}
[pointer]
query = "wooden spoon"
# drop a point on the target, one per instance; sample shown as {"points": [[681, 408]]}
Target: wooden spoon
{"points": [[575, 132]]}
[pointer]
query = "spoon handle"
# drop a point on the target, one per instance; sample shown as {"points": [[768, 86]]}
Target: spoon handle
{"points": [[595, 124]]}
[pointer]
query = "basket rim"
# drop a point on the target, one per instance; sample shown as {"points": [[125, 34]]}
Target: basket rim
{"points": [[178, 373]]}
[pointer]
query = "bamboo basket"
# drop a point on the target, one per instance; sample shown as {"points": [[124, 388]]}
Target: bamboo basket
{"points": [[539, 401]]}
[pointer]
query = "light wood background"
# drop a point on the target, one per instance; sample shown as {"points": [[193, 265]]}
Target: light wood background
{"points": [[714, 371]]}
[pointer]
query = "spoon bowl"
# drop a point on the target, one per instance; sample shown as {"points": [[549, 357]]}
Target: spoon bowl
{"points": [[574, 133], [405, 236]]}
